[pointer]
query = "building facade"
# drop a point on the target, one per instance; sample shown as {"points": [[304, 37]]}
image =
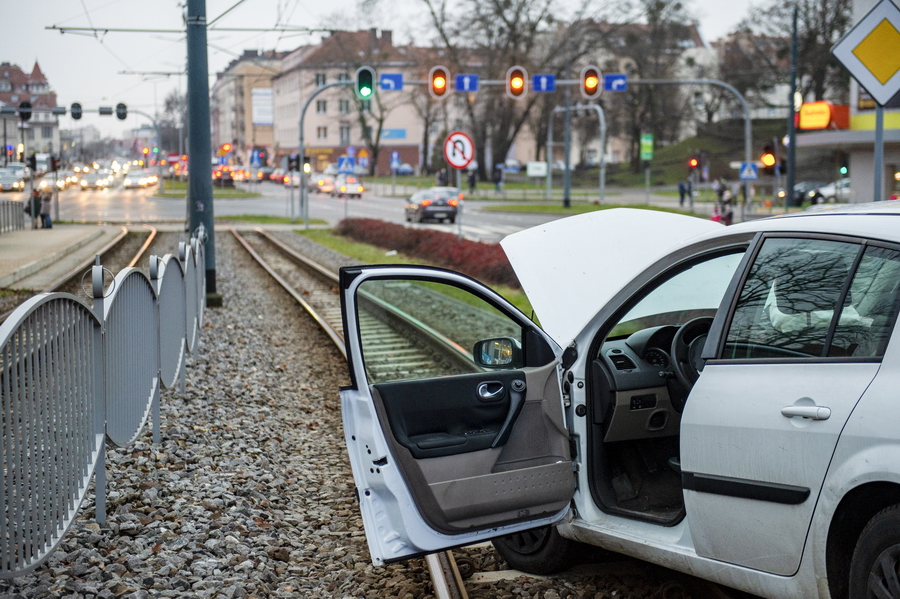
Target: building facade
{"points": [[40, 134]]}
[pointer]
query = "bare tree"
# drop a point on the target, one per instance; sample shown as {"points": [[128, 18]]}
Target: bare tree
{"points": [[820, 24], [173, 119]]}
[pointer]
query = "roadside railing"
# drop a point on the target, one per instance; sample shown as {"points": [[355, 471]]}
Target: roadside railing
{"points": [[12, 218], [74, 377]]}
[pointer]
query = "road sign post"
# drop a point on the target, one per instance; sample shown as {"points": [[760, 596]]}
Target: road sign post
{"points": [[869, 51], [646, 157]]}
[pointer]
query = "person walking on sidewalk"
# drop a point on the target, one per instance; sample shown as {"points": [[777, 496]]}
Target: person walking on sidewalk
{"points": [[682, 191]]}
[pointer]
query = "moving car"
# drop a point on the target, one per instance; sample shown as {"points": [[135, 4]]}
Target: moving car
{"points": [[324, 184], [434, 203], [94, 180], [348, 186], [717, 400], [9, 181], [805, 190]]}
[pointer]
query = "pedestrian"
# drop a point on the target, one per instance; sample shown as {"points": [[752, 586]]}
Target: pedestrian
{"points": [[471, 182], [498, 178], [690, 192], [46, 202], [727, 207], [33, 209], [442, 178], [682, 190]]}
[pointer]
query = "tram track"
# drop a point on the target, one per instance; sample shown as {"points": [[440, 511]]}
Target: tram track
{"points": [[315, 288]]}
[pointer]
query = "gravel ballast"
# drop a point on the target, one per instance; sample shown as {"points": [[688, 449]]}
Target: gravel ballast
{"points": [[250, 493]]}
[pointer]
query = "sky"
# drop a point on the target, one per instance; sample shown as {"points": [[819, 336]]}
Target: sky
{"points": [[99, 69]]}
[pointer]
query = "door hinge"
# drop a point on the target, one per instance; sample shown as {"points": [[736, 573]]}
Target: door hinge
{"points": [[570, 354]]}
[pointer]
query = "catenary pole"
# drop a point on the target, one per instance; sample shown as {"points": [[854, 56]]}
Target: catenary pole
{"points": [[200, 193]]}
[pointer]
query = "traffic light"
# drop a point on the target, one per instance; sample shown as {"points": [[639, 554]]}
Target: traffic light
{"points": [[590, 82], [54, 164], [76, 110], [768, 160], [365, 82], [845, 166], [121, 111], [515, 82], [438, 78], [145, 151], [293, 162], [32, 163], [693, 163], [226, 147], [25, 110]]}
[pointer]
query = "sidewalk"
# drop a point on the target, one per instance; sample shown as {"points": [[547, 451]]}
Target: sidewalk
{"points": [[32, 259]]}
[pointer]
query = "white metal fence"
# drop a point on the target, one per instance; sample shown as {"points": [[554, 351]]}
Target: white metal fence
{"points": [[12, 218], [73, 377]]}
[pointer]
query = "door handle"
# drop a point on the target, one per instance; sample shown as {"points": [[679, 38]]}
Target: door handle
{"points": [[516, 401], [811, 412], [490, 391]]}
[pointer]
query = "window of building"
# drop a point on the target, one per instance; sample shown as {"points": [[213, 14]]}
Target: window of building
{"points": [[365, 105], [30, 135], [344, 106], [321, 106], [47, 132], [343, 77], [320, 79], [5, 86], [345, 133], [367, 132], [321, 132]]}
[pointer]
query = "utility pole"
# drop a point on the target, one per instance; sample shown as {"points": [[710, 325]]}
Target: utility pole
{"points": [[792, 128], [567, 142], [200, 193]]}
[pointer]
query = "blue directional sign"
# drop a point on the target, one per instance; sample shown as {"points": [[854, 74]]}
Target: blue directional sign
{"points": [[364, 161], [543, 83], [395, 159], [749, 171], [616, 82], [346, 164], [467, 83], [391, 81]]}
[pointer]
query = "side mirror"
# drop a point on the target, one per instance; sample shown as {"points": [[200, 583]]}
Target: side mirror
{"points": [[499, 353]]}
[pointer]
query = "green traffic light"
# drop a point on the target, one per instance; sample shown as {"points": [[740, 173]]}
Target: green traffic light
{"points": [[843, 170], [365, 92]]}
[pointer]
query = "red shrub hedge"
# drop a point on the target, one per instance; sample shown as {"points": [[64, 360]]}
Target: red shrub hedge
{"points": [[483, 261]]}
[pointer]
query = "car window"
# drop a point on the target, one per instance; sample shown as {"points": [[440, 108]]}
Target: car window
{"points": [[418, 329], [799, 301], [694, 292]]}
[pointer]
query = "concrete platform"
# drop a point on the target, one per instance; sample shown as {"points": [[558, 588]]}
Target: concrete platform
{"points": [[33, 259]]}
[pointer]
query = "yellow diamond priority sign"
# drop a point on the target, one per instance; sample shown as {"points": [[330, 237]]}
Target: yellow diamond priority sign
{"points": [[871, 51]]}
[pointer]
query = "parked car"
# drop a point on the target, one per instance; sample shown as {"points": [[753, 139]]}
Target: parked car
{"points": [[348, 186], [405, 169], [435, 203], [717, 400], [837, 191], [804, 191]]}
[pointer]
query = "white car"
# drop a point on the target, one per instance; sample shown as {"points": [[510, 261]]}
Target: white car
{"points": [[717, 400], [838, 191]]}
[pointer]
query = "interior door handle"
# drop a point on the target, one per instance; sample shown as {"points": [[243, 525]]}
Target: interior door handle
{"points": [[516, 401], [490, 391], [811, 412]]}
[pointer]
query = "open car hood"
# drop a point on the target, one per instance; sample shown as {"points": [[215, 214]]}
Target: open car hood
{"points": [[571, 267]]}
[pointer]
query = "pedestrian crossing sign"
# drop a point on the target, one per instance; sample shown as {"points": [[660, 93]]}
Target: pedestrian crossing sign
{"points": [[749, 171]]}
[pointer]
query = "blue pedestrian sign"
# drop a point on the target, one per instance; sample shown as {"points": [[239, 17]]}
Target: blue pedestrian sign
{"points": [[467, 83], [616, 82], [395, 160], [543, 83], [392, 82], [749, 171], [346, 164]]}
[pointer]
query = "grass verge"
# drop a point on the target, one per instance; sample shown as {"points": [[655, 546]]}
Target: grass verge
{"points": [[582, 208], [222, 194], [264, 219], [370, 254]]}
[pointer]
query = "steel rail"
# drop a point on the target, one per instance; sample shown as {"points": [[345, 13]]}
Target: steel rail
{"points": [[445, 576]]}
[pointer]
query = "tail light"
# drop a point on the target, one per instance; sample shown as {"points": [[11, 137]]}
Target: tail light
{"points": [[259, 175], [426, 203], [453, 202], [461, 196]]}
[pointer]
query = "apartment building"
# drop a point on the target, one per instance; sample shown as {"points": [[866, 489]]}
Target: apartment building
{"points": [[40, 134]]}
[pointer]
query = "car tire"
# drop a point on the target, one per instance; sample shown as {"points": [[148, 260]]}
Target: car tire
{"points": [[537, 551], [878, 548], [452, 220]]}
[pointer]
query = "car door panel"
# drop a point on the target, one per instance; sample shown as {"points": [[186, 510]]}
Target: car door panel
{"points": [[432, 465], [463, 489]]}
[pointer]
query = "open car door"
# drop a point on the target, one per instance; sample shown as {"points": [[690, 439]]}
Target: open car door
{"points": [[454, 417]]}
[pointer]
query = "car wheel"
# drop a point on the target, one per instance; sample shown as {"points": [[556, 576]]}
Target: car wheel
{"points": [[875, 568], [452, 220], [537, 551]]}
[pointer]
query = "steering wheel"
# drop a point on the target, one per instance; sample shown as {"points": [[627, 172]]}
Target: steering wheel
{"points": [[686, 348]]}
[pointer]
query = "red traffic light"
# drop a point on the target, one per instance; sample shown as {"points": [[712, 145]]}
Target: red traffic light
{"points": [[590, 82], [693, 163], [226, 147], [438, 78], [515, 82], [145, 151], [767, 159]]}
